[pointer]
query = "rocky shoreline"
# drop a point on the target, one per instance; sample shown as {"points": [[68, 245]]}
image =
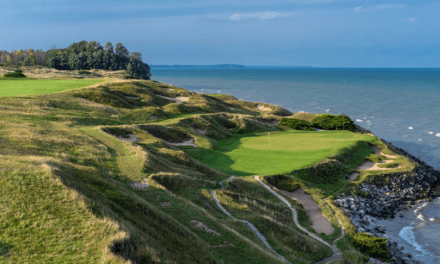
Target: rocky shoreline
{"points": [[387, 195]]}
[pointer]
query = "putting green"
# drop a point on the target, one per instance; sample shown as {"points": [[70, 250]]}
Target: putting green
{"points": [[251, 154], [17, 87]]}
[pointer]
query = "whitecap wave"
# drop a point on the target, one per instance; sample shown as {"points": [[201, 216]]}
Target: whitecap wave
{"points": [[420, 217], [407, 234], [437, 135], [359, 120], [431, 132], [410, 127]]}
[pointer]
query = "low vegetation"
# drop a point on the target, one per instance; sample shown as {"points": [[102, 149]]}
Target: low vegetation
{"points": [[15, 74]]}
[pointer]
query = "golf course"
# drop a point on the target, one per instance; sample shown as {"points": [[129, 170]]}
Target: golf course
{"points": [[128, 171]]}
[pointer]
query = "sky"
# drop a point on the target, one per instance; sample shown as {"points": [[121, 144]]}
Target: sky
{"points": [[319, 33]]}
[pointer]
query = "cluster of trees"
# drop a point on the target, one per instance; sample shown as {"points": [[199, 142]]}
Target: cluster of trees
{"points": [[20, 57], [83, 55]]}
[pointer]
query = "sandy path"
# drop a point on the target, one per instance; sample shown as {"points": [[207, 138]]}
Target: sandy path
{"points": [[336, 253], [319, 222], [249, 224]]}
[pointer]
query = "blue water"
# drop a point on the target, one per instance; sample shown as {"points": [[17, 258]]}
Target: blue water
{"points": [[387, 101]]}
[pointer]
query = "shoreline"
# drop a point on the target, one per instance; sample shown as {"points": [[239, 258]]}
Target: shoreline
{"points": [[372, 214]]}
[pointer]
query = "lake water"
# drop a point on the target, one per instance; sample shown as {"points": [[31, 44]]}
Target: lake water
{"points": [[401, 106]]}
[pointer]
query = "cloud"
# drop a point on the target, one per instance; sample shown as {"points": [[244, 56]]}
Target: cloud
{"points": [[378, 7], [412, 19], [260, 15]]}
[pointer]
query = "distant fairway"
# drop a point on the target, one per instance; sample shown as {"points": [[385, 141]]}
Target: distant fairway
{"points": [[17, 87], [251, 154]]}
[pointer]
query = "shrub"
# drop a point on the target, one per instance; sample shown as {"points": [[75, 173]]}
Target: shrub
{"points": [[375, 247], [15, 74], [334, 122], [131, 77], [166, 133], [296, 124], [283, 182], [325, 172], [84, 72]]}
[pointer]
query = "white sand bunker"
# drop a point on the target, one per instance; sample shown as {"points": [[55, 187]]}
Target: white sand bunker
{"points": [[189, 142], [368, 165], [131, 138], [179, 99], [139, 186], [196, 224], [263, 108], [319, 223]]}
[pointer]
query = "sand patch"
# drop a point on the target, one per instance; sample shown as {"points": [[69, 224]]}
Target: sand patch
{"points": [[131, 138], [200, 131], [139, 186], [196, 224], [179, 99], [165, 204], [189, 142], [263, 108], [319, 223]]}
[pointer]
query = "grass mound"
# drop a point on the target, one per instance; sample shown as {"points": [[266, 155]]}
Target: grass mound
{"points": [[375, 247], [305, 116]]}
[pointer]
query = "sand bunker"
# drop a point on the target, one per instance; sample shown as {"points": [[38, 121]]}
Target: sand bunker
{"points": [[263, 108], [179, 99], [368, 165], [319, 223], [189, 142], [131, 138]]}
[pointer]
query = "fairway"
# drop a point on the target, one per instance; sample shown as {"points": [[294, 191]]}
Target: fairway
{"points": [[251, 154], [17, 87]]}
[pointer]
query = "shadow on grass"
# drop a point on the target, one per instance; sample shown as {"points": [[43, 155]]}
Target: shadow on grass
{"points": [[4, 249]]}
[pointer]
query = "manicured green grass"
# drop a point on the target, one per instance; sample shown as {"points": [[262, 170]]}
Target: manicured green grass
{"points": [[251, 154], [18, 87]]}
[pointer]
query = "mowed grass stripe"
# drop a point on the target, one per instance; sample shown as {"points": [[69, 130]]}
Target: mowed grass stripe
{"points": [[251, 154], [20, 87]]}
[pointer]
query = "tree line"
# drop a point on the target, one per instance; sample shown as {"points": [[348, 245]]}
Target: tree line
{"points": [[83, 55]]}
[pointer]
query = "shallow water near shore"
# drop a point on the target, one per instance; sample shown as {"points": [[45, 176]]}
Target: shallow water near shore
{"points": [[398, 105], [418, 231]]}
